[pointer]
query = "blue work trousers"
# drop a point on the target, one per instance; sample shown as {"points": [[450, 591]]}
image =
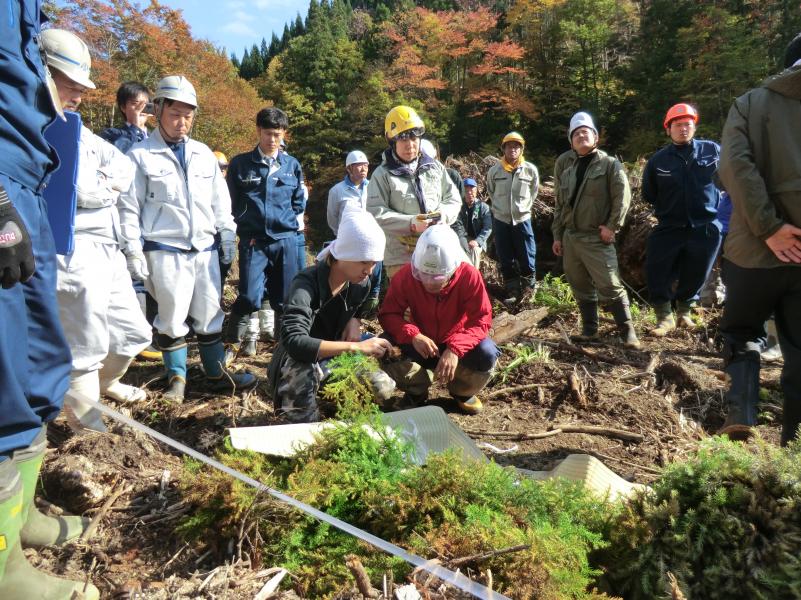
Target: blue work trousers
{"points": [[301, 251], [265, 266], [680, 256], [35, 359], [516, 248]]}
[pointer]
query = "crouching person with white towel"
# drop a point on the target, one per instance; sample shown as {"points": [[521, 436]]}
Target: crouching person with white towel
{"points": [[322, 318]]}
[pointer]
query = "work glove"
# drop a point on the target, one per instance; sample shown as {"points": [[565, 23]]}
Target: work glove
{"points": [[227, 246], [16, 253], [137, 265]]}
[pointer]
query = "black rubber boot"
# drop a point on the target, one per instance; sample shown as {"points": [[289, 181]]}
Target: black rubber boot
{"points": [[513, 290], [622, 314], [741, 397], [589, 321], [237, 326]]}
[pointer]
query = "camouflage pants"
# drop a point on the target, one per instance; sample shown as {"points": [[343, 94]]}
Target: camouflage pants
{"points": [[299, 383], [296, 392]]}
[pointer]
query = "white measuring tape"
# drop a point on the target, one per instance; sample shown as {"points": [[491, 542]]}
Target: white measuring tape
{"points": [[456, 579]]}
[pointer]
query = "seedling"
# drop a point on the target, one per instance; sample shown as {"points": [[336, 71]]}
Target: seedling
{"points": [[555, 294]]}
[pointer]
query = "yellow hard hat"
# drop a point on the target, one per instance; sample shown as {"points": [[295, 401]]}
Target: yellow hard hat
{"points": [[400, 119], [221, 158], [513, 136]]}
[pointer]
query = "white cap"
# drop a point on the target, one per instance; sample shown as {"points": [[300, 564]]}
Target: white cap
{"points": [[580, 119], [359, 238], [69, 54], [427, 148], [437, 253], [356, 157], [178, 88]]}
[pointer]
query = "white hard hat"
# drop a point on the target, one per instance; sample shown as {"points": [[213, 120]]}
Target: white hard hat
{"points": [[356, 157], [427, 148], [69, 54], [580, 119], [178, 88], [437, 253]]}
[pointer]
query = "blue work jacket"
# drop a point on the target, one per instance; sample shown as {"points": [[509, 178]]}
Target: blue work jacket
{"points": [[123, 137], [265, 205], [26, 108], [681, 191]]}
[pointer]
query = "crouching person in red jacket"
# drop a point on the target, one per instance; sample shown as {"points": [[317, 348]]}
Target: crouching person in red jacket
{"points": [[450, 315]]}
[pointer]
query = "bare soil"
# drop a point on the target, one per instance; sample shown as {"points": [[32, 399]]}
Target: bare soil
{"points": [[136, 551]]}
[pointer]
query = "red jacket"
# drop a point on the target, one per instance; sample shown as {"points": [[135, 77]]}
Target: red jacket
{"points": [[460, 316]]}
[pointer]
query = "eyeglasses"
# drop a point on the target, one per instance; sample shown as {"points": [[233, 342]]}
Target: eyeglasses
{"points": [[411, 134]]}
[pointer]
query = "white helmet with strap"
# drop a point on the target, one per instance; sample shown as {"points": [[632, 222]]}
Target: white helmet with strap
{"points": [[69, 54], [178, 88]]}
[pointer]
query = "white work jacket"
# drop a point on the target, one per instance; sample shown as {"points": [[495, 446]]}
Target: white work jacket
{"points": [[170, 207], [103, 172]]}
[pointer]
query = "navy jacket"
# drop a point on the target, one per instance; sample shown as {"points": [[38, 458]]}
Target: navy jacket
{"points": [[265, 206], [123, 137], [25, 105], [682, 191]]}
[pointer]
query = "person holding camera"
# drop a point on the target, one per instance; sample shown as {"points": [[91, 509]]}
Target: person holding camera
{"points": [[409, 191]]}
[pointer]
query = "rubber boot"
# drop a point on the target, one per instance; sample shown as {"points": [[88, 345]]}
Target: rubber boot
{"points": [[82, 416], [528, 287], [19, 580], [218, 379], [175, 365], [114, 367], [38, 529], [589, 321], [684, 318], [513, 289], [741, 397], [622, 314], [772, 351], [665, 323], [234, 334], [464, 387], [248, 345], [267, 321]]}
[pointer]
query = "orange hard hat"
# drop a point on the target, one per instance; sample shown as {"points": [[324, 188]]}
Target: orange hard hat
{"points": [[680, 111]]}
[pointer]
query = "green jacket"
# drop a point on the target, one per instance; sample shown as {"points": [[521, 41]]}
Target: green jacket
{"points": [[603, 198], [760, 167], [512, 194], [392, 198]]}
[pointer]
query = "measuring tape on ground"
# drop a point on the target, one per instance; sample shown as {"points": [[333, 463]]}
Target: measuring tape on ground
{"points": [[455, 579]]}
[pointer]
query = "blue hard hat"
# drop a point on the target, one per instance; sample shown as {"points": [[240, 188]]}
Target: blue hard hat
{"points": [[470, 182]]}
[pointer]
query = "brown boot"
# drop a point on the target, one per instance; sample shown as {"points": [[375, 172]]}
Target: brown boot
{"points": [[665, 323]]}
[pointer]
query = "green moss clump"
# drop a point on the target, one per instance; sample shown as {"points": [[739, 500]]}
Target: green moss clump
{"points": [[726, 523], [445, 509]]}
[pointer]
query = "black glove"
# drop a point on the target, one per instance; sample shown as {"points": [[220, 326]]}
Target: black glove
{"points": [[16, 254]]}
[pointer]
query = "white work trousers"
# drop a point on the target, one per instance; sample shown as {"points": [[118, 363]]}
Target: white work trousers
{"points": [[97, 305], [185, 284]]}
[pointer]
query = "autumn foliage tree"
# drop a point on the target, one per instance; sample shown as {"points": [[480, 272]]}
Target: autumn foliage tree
{"points": [[145, 44]]}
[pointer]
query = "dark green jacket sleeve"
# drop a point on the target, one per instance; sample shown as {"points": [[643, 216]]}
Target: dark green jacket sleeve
{"points": [[741, 176]]}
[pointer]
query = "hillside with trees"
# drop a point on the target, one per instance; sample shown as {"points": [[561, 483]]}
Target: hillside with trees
{"points": [[474, 68]]}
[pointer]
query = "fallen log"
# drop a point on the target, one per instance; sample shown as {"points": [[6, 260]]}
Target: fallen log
{"points": [[621, 434], [597, 356]]}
